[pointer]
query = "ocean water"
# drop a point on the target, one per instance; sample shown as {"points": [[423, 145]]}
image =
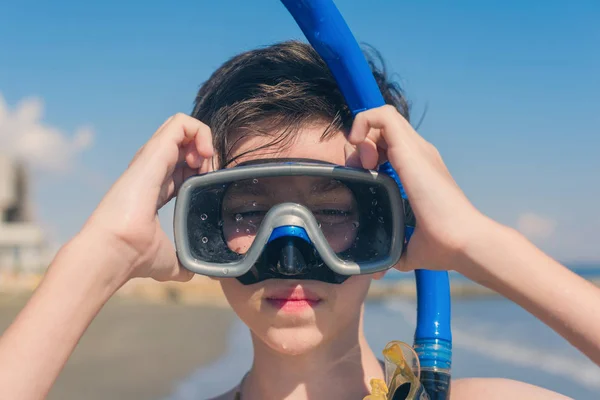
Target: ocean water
{"points": [[492, 337], [587, 271]]}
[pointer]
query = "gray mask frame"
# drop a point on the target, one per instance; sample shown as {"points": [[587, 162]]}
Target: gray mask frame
{"points": [[288, 214]]}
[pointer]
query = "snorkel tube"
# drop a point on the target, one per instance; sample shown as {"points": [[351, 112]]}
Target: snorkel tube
{"points": [[328, 33]]}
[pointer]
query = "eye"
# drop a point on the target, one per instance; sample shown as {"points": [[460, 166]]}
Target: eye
{"points": [[332, 212], [247, 216], [332, 215]]}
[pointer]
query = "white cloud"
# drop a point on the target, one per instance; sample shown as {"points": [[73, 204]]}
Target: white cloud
{"points": [[23, 135], [535, 226]]}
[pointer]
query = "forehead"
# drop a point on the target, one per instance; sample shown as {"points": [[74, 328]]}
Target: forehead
{"points": [[305, 143]]}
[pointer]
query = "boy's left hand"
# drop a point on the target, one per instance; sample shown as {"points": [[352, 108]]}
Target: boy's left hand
{"points": [[446, 220]]}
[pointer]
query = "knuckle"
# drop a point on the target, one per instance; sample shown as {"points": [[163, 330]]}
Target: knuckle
{"points": [[361, 118], [180, 116], [389, 110], [204, 127]]}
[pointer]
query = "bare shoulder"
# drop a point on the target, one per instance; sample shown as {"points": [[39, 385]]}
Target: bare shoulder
{"points": [[230, 395], [497, 388]]}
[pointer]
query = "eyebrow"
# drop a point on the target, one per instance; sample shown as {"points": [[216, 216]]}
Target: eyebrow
{"points": [[247, 187], [329, 186]]}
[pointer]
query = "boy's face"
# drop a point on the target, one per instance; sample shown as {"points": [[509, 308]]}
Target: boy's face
{"points": [[295, 316]]}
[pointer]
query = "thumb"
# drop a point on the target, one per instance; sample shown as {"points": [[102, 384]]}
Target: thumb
{"points": [[403, 265]]}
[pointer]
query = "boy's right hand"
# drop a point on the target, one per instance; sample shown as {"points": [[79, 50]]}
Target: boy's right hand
{"points": [[126, 220]]}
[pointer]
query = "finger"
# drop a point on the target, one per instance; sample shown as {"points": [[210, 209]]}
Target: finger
{"points": [[406, 262], [157, 132], [352, 156], [167, 121], [191, 155], [182, 274], [180, 174], [204, 142], [180, 130], [402, 264], [207, 165], [165, 149], [175, 273], [369, 154], [394, 128]]}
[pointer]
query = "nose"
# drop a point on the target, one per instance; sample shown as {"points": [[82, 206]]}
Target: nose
{"points": [[291, 261]]}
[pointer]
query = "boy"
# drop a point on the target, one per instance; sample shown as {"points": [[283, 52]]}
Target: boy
{"points": [[281, 102]]}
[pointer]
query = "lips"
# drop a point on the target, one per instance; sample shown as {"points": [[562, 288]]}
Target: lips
{"points": [[295, 298]]}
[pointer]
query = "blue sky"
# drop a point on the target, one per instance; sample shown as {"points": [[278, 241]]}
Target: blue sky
{"points": [[511, 89]]}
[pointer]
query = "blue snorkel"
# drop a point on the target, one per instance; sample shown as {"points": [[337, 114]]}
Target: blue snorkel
{"points": [[328, 33]]}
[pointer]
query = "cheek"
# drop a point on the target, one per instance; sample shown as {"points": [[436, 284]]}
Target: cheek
{"points": [[244, 299], [286, 334], [240, 235], [340, 236], [350, 297]]}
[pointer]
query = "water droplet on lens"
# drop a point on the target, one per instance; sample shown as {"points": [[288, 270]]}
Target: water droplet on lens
{"points": [[237, 230], [372, 189], [204, 239], [238, 217], [374, 202], [355, 224], [380, 219], [254, 180], [225, 271], [247, 230], [253, 204], [319, 224], [203, 217], [345, 237], [220, 223]]}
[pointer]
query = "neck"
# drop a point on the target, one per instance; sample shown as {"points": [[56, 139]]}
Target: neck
{"points": [[340, 369]]}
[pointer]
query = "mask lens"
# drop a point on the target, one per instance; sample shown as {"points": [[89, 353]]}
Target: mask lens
{"points": [[224, 219], [247, 202]]}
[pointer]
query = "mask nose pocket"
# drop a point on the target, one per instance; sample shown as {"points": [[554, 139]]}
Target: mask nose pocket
{"points": [[290, 256]]}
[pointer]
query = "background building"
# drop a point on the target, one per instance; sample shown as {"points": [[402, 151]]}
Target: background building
{"points": [[23, 246]]}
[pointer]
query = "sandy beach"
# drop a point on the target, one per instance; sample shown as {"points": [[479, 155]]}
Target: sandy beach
{"points": [[136, 349]]}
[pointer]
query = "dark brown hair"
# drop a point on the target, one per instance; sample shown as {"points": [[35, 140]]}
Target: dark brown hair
{"points": [[277, 90]]}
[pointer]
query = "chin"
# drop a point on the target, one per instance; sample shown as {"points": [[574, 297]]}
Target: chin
{"points": [[297, 317], [294, 341]]}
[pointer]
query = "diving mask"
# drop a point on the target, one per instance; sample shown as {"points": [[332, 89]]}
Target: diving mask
{"points": [[289, 219]]}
